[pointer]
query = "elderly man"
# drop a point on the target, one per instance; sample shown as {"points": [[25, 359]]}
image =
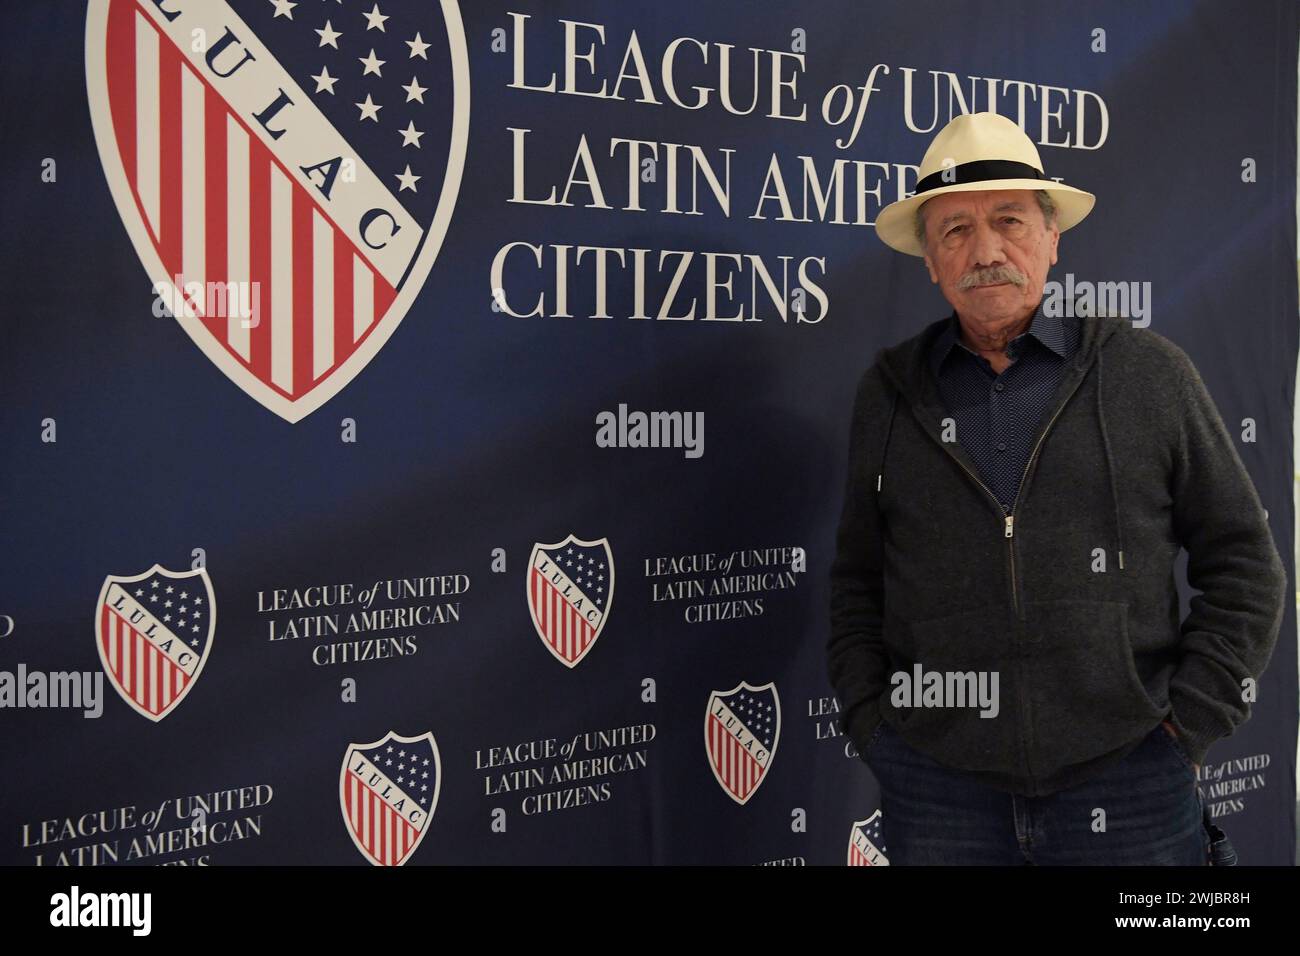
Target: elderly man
{"points": [[1019, 486]]}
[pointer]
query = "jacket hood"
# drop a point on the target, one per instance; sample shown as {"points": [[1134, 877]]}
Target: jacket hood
{"points": [[906, 371]]}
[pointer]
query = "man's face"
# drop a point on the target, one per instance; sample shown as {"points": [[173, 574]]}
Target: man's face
{"points": [[989, 251]]}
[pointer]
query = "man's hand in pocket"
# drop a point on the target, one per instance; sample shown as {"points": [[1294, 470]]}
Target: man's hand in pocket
{"points": [[1174, 733]]}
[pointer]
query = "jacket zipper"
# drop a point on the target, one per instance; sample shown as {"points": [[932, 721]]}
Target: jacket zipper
{"points": [[1007, 525], [1011, 551], [1008, 520]]}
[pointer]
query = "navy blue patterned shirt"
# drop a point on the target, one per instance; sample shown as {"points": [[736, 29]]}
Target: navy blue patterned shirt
{"points": [[997, 415]]}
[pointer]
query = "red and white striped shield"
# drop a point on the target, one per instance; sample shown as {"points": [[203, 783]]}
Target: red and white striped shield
{"points": [[154, 632], [865, 846], [570, 591], [741, 729], [287, 233], [388, 791]]}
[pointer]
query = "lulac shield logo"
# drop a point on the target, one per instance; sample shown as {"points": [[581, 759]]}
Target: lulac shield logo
{"points": [[741, 730], [570, 590], [153, 632], [286, 172], [865, 846], [388, 791]]}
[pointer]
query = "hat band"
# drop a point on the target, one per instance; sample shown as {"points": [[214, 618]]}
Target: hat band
{"points": [[978, 171]]}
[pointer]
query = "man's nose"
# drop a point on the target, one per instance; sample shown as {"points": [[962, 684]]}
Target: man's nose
{"points": [[987, 247]]}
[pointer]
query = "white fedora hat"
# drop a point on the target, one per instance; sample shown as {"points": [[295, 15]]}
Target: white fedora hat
{"points": [[977, 151]]}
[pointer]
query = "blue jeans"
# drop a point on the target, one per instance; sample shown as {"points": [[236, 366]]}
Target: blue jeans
{"points": [[931, 815]]}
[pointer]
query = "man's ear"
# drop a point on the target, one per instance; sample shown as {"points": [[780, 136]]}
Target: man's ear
{"points": [[1056, 237], [934, 276]]}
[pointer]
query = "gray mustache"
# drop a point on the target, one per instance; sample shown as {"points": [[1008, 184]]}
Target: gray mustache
{"points": [[988, 276]]}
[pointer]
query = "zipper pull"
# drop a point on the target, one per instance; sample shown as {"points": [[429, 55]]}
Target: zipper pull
{"points": [[1009, 519]]}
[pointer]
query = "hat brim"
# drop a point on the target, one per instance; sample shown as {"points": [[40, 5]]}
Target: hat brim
{"points": [[895, 224]]}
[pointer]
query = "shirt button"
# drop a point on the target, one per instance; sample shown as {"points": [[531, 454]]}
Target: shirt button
{"points": [[1002, 446], [999, 386]]}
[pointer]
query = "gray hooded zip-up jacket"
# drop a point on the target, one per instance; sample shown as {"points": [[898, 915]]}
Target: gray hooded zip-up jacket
{"points": [[1071, 597]]}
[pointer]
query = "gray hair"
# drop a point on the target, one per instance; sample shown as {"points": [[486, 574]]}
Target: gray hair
{"points": [[1045, 203]]}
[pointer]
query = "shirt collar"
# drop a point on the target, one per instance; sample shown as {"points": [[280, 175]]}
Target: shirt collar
{"points": [[1048, 330]]}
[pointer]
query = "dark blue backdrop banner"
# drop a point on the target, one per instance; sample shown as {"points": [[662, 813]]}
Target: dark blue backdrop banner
{"points": [[352, 353]]}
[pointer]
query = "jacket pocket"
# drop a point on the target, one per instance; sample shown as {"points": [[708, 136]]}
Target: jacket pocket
{"points": [[1082, 688], [1179, 750], [865, 752], [970, 650]]}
